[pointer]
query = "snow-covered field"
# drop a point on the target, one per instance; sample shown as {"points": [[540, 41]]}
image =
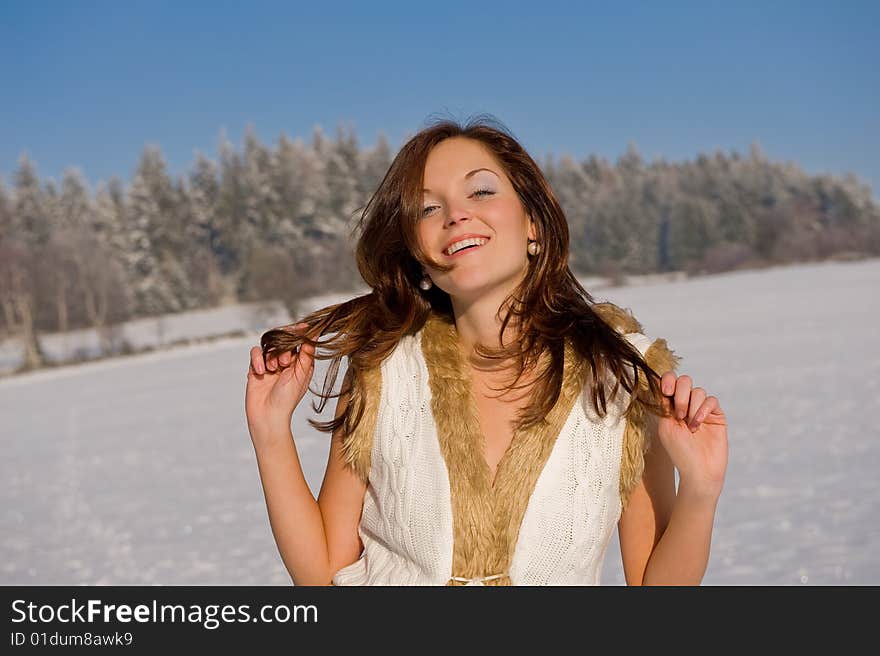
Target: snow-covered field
{"points": [[140, 470]]}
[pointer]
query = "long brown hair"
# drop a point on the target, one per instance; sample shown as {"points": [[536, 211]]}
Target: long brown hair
{"points": [[548, 306]]}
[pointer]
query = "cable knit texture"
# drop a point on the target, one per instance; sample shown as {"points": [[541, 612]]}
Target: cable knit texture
{"points": [[431, 514]]}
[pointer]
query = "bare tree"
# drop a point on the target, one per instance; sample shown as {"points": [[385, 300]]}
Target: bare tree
{"points": [[17, 298]]}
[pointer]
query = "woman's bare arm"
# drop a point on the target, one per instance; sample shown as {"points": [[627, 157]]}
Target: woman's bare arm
{"points": [[341, 500], [648, 511], [313, 537], [665, 537]]}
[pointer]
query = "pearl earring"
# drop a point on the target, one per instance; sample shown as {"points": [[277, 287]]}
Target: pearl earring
{"points": [[425, 283], [534, 248]]}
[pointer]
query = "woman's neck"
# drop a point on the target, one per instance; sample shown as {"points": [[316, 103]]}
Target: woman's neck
{"points": [[479, 321]]}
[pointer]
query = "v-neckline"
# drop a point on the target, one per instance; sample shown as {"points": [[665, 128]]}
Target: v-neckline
{"points": [[487, 510], [455, 367], [481, 434]]}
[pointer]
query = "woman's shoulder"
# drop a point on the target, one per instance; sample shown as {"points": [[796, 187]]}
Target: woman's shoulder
{"points": [[621, 319], [402, 360], [624, 321]]}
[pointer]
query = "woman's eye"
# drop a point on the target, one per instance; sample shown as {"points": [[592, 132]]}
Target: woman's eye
{"points": [[478, 192]]}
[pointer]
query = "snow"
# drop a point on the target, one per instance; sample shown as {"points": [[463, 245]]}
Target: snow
{"points": [[151, 333], [139, 470]]}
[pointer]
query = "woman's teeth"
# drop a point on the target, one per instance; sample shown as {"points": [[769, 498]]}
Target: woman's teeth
{"points": [[464, 243]]}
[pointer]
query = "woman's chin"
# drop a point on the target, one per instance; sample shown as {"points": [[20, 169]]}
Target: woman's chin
{"points": [[473, 287]]}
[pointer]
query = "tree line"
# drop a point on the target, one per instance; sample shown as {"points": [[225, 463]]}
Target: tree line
{"points": [[274, 222]]}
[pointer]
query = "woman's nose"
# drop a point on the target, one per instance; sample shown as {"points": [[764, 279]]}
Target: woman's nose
{"points": [[456, 215]]}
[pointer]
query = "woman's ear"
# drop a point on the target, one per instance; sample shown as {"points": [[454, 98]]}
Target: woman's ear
{"points": [[532, 234]]}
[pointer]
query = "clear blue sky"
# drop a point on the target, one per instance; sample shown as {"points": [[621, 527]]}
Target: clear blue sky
{"points": [[89, 83]]}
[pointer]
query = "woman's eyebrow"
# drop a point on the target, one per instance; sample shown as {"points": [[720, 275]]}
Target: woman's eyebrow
{"points": [[470, 173]]}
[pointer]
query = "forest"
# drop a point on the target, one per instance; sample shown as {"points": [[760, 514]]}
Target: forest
{"points": [[275, 222]]}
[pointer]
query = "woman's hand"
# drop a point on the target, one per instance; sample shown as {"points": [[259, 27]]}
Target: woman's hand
{"points": [[275, 388], [695, 436]]}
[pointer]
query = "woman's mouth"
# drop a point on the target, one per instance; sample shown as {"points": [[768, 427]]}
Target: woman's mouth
{"points": [[466, 246]]}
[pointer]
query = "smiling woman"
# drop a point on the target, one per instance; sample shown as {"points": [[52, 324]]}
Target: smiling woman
{"points": [[439, 474], [476, 220]]}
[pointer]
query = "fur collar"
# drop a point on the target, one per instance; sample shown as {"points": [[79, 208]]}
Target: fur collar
{"points": [[486, 517], [636, 437]]}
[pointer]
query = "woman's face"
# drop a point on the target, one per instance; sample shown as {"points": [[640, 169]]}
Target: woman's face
{"points": [[468, 194]]}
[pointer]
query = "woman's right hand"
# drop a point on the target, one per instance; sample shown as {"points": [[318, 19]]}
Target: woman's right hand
{"points": [[275, 388]]}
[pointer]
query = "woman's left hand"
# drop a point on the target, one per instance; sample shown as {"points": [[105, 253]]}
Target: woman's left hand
{"points": [[695, 436]]}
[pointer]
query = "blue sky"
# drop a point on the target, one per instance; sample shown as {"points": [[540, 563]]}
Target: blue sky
{"points": [[87, 84]]}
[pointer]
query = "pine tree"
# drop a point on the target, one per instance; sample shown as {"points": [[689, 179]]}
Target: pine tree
{"points": [[303, 188], [25, 227], [203, 233], [70, 248], [110, 229], [294, 178], [29, 207], [150, 206], [7, 216], [231, 209], [376, 162]]}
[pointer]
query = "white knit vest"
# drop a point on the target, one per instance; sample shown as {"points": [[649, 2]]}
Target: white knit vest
{"points": [[407, 525]]}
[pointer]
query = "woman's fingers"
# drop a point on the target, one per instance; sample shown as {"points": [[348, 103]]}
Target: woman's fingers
{"points": [[698, 396], [709, 406], [688, 403], [682, 395], [667, 383], [273, 363], [257, 360], [283, 360], [305, 360], [261, 366], [276, 362]]}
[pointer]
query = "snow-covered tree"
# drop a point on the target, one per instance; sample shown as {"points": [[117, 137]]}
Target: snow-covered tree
{"points": [[109, 226], [150, 207], [7, 216], [29, 206], [204, 233], [376, 161]]}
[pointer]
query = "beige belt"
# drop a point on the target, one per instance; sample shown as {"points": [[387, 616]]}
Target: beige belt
{"points": [[478, 580]]}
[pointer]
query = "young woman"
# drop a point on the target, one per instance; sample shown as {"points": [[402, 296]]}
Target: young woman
{"points": [[494, 423]]}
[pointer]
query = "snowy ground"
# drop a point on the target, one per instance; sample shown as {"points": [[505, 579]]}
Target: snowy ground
{"points": [[139, 470]]}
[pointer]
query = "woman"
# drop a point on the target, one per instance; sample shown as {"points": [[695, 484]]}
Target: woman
{"points": [[494, 423]]}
